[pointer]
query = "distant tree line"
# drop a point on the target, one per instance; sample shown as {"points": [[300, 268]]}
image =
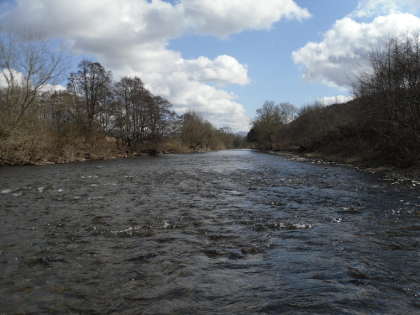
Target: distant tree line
{"points": [[94, 113], [382, 123], [271, 118]]}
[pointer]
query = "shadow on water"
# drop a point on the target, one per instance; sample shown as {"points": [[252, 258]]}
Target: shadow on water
{"points": [[230, 232]]}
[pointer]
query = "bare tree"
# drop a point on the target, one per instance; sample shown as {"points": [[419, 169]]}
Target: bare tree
{"points": [[131, 115], [160, 117], [270, 118], [141, 117], [92, 82], [196, 132], [27, 65], [391, 94], [288, 111]]}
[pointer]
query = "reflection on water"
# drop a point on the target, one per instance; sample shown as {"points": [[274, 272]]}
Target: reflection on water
{"points": [[232, 232]]}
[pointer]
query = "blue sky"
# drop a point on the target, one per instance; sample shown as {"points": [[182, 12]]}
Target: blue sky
{"points": [[268, 55], [223, 58]]}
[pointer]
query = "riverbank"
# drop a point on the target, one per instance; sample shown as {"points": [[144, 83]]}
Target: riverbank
{"points": [[47, 151], [409, 176]]}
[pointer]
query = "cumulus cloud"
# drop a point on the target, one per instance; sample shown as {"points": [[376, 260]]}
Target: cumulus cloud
{"points": [[373, 8], [131, 38], [344, 50], [339, 99], [220, 70], [222, 18]]}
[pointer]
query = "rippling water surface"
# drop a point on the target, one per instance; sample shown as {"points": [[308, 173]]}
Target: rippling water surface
{"points": [[232, 232]]}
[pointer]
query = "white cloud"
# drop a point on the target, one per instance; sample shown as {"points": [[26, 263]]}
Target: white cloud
{"points": [[339, 99], [14, 77], [343, 52], [53, 88], [222, 18], [18, 79], [131, 38], [223, 69], [373, 8]]}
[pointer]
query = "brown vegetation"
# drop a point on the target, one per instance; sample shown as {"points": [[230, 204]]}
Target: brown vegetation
{"points": [[95, 118], [381, 124]]}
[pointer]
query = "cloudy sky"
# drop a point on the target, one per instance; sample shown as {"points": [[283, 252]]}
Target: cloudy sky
{"points": [[223, 58]]}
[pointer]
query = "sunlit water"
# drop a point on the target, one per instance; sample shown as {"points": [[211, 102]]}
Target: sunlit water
{"points": [[232, 232]]}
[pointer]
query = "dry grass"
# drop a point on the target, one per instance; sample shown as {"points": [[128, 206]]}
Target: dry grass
{"points": [[42, 147], [175, 146]]}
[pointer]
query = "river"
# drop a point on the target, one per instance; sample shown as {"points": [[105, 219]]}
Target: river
{"points": [[230, 232]]}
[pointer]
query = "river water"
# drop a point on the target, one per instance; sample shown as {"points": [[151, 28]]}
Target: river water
{"points": [[231, 232]]}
